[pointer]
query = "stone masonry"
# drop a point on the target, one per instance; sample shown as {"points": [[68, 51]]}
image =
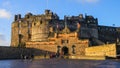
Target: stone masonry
{"points": [[73, 35]]}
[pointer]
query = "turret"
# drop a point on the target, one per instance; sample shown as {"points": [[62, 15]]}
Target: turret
{"points": [[28, 15], [47, 12], [17, 17], [81, 16], [40, 31]]}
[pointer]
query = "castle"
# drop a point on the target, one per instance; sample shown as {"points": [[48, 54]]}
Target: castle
{"points": [[71, 35]]}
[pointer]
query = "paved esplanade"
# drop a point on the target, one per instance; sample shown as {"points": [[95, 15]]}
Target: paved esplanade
{"points": [[59, 63]]}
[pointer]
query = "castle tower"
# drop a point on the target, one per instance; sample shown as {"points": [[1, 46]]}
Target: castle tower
{"points": [[40, 26], [40, 30], [21, 30]]}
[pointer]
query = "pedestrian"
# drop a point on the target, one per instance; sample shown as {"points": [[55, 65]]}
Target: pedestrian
{"points": [[44, 55]]}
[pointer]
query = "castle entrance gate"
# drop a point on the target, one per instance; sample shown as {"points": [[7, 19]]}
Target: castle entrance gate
{"points": [[65, 50]]}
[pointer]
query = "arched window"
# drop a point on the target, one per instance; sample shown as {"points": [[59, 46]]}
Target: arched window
{"points": [[40, 22], [73, 49]]}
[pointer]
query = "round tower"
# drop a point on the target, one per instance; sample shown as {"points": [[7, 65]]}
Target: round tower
{"points": [[40, 30]]}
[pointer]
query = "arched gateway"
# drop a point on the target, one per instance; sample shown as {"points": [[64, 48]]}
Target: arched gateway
{"points": [[65, 50]]}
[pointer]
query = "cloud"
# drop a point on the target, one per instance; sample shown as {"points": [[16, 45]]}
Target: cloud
{"points": [[4, 13], [3, 42]]}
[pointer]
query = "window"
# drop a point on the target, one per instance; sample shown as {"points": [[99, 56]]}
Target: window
{"points": [[29, 36], [88, 21], [40, 22], [34, 24], [73, 49], [67, 41], [62, 41]]}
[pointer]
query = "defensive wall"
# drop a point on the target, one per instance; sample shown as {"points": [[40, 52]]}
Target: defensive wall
{"points": [[18, 53], [96, 52], [109, 50], [78, 49]]}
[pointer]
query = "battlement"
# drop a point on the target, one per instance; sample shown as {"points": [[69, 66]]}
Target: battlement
{"points": [[48, 12], [88, 19], [17, 17], [29, 16]]}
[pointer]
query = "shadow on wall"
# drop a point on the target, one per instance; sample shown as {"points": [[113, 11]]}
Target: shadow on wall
{"points": [[18, 53]]}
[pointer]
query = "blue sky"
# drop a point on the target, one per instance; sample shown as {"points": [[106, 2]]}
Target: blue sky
{"points": [[107, 11]]}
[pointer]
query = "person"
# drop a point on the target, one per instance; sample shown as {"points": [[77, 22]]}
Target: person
{"points": [[57, 55], [21, 56], [32, 56], [61, 55], [50, 55], [45, 55], [25, 57]]}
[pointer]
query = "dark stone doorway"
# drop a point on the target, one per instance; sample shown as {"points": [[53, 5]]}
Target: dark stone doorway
{"points": [[58, 49], [65, 50]]}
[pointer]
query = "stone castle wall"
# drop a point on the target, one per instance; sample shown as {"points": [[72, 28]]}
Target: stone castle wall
{"points": [[102, 50], [19, 53], [21, 31], [14, 34], [53, 47], [14, 53], [40, 31]]}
